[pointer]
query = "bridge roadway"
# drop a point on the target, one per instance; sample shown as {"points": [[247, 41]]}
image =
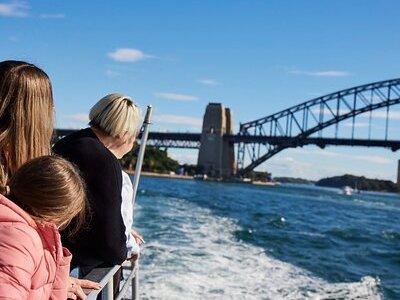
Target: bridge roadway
{"points": [[192, 140]]}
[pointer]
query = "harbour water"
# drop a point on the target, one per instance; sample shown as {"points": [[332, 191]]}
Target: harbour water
{"points": [[209, 240]]}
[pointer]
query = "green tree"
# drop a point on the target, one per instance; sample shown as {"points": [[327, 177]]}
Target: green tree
{"points": [[155, 160]]}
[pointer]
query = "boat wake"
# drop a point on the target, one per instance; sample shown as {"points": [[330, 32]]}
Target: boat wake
{"points": [[192, 254]]}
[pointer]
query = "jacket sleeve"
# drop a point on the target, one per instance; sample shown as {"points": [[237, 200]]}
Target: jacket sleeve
{"points": [[17, 265], [103, 240]]}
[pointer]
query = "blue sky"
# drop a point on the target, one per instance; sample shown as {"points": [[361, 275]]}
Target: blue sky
{"points": [[257, 57]]}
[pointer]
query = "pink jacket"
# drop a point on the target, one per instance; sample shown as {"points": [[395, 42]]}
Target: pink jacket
{"points": [[33, 263]]}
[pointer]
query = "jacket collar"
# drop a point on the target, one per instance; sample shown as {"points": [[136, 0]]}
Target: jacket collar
{"points": [[47, 231]]}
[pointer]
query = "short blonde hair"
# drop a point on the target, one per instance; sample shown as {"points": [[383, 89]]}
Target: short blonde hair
{"points": [[115, 114]]}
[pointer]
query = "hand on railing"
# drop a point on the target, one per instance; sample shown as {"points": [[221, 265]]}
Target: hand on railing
{"points": [[136, 251], [136, 235], [76, 285]]}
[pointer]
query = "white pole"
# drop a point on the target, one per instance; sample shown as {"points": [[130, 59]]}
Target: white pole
{"points": [[138, 170], [143, 141], [135, 282]]}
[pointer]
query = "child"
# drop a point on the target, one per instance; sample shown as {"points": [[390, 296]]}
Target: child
{"points": [[43, 196]]}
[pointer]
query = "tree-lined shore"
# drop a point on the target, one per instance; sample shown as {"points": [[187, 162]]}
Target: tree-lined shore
{"points": [[157, 161], [360, 183]]}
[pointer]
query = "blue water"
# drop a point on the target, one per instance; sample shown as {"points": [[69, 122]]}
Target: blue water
{"points": [[213, 240]]}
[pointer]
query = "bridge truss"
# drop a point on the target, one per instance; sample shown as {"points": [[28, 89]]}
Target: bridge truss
{"points": [[156, 139], [174, 140], [303, 124]]}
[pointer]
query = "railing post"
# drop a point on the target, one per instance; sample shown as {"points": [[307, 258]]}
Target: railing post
{"points": [[108, 291], [135, 282]]}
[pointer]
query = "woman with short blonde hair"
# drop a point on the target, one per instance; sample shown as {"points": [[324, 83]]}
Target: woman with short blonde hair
{"points": [[114, 126]]}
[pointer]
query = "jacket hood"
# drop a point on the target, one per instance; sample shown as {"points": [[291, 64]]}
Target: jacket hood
{"points": [[11, 212]]}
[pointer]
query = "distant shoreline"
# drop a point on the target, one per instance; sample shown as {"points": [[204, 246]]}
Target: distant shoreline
{"points": [[162, 175], [187, 177], [339, 182]]}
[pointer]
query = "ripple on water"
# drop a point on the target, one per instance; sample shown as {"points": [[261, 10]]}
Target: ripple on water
{"points": [[206, 260], [391, 235]]}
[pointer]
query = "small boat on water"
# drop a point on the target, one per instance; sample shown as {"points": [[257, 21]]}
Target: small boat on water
{"points": [[348, 191], [200, 177], [266, 183]]}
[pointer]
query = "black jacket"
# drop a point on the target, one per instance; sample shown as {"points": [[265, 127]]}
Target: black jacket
{"points": [[103, 241]]}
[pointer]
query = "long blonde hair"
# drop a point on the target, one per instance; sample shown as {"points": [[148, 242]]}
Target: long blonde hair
{"points": [[50, 189], [26, 115]]}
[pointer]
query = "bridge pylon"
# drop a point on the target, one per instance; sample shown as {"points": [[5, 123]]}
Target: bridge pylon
{"points": [[216, 156], [398, 172]]}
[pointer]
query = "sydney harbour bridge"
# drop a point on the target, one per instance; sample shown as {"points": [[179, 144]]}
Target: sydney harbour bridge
{"points": [[299, 125]]}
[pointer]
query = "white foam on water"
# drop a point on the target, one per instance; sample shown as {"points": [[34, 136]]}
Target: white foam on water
{"points": [[369, 203], [202, 260]]}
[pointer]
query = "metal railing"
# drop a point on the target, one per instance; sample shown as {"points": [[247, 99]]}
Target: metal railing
{"points": [[105, 277]]}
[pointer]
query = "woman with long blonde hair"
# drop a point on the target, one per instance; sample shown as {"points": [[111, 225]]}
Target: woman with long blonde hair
{"points": [[26, 127], [26, 115]]}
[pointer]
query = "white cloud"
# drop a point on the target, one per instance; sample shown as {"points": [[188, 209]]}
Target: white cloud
{"points": [[128, 55], [377, 159], [286, 165], [372, 158], [357, 124], [52, 16], [112, 74], [208, 81], [72, 125], [393, 115], [18, 9], [176, 97], [329, 73], [183, 156], [177, 119], [13, 39], [79, 117]]}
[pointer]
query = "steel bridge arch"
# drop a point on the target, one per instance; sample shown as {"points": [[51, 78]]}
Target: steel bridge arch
{"points": [[295, 121]]}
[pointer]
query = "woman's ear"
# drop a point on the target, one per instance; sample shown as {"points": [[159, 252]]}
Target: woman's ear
{"points": [[131, 139]]}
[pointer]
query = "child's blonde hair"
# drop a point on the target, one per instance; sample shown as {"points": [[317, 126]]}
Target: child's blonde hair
{"points": [[115, 114], [50, 189]]}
